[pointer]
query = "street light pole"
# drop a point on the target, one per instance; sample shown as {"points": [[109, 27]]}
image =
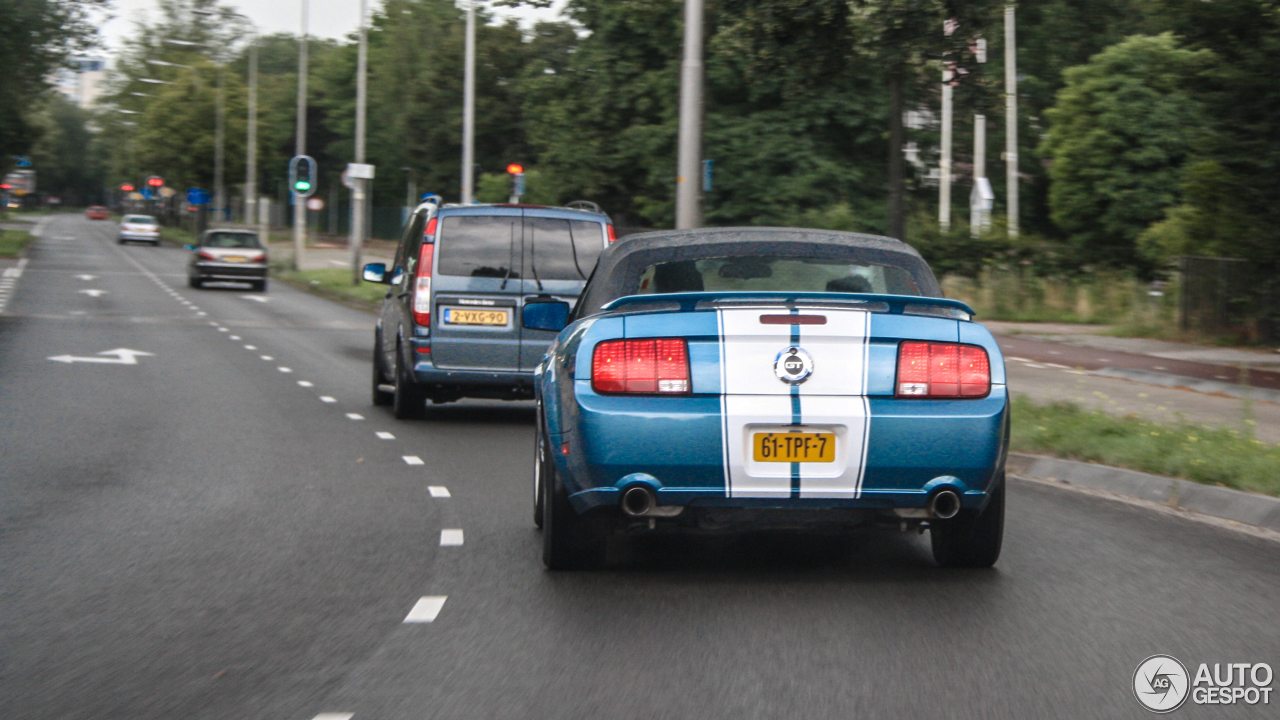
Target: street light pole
{"points": [[219, 191], [469, 107], [359, 193], [251, 152], [688, 161], [1011, 117], [299, 206]]}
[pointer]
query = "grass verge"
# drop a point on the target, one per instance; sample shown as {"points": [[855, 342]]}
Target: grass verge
{"points": [[12, 242], [1221, 456], [176, 235], [335, 284]]}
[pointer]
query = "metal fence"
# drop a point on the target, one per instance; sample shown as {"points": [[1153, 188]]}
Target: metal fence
{"points": [[1229, 296]]}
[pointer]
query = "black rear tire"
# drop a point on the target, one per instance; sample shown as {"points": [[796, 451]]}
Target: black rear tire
{"points": [[409, 401], [569, 541], [971, 540], [260, 285], [380, 398], [195, 282], [540, 460]]}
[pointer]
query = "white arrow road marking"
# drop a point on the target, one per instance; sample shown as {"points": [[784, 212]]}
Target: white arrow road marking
{"points": [[86, 278], [426, 609], [93, 292], [449, 538], [123, 356], [438, 491], [256, 298]]}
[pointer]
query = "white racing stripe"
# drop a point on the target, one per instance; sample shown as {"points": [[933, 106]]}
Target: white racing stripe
{"points": [[833, 399]]}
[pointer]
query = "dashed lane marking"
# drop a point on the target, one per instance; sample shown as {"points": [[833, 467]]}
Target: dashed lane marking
{"points": [[328, 399], [268, 358], [451, 537], [1060, 367], [426, 609], [203, 314], [438, 491], [285, 369], [1010, 357], [354, 416], [235, 337], [334, 716], [306, 383], [250, 347], [384, 435], [1034, 365], [222, 329], [256, 298], [413, 460]]}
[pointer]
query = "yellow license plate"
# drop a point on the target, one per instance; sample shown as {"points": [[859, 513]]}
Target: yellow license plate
{"points": [[454, 316], [235, 258], [794, 447]]}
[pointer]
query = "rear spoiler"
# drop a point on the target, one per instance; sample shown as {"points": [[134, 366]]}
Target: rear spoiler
{"points": [[893, 304]]}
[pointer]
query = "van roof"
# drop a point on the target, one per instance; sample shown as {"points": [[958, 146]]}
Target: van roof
{"points": [[512, 209]]}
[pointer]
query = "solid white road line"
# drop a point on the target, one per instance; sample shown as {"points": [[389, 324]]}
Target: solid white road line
{"points": [[413, 460], [306, 383], [438, 491], [328, 399], [426, 609], [385, 435], [1010, 357], [451, 537], [354, 416]]}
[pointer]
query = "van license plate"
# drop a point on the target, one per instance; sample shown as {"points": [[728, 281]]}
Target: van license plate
{"points": [[458, 316], [794, 447]]}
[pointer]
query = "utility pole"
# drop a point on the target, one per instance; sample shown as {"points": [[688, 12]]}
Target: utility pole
{"points": [[689, 159], [251, 151], [299, 204], [469, 108], [976, 212], [944, 164], [219, 188], [1011, 116], [358, 194]]}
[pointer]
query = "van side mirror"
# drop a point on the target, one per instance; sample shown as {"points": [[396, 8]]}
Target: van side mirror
{"points": [[550, 315], [375, 273]]}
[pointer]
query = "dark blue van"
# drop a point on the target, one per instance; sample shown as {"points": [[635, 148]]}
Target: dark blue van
{"points": [[451, 321]]}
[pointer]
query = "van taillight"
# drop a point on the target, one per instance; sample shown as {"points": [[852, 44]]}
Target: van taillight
{"points": [[613, 236], [659, 366], [430, 232], [942, 370], [422, 286]]}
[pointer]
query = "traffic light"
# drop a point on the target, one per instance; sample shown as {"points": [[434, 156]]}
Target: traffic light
{"points": [[517, 181], [302, 175], [126, 188], [155, 181]]}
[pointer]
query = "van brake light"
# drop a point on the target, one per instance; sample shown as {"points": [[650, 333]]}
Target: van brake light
{"points": [[422, 286]]}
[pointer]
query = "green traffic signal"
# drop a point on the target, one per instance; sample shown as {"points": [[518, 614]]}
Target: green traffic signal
{"points": [[302, 186]]}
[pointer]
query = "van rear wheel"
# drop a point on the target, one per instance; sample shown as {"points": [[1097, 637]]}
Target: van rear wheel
{"points": [[380, 397], [409, 401]]}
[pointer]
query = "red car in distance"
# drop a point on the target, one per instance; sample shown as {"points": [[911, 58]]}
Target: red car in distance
{"points": [[96, 212]]}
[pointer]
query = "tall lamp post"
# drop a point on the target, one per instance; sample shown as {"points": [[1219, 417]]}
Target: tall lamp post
{"points": [[359, 193], [688, 213], [469, 107], [300, 149]]}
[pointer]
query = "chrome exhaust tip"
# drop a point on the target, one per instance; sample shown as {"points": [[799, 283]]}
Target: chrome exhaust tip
{"points": [[638, 501], [944, 505]]}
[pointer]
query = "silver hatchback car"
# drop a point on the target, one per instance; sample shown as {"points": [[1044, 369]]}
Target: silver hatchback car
{"points": [[226, 255]]}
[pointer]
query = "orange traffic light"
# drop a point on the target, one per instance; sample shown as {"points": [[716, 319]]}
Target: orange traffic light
{"points": [[515, 169]]}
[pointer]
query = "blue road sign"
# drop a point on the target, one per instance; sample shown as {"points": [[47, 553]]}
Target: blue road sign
{"points": [[23, 160], [148, 193], [196, 196]]}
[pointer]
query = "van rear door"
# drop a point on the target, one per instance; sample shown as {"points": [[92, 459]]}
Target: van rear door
{"points": [[559, 255], [476, 286]]}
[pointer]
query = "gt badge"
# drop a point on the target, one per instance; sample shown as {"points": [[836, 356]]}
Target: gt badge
{"points": [[793, 366]]}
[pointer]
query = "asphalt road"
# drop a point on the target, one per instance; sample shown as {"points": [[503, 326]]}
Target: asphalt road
{"points": [[203, 535]]}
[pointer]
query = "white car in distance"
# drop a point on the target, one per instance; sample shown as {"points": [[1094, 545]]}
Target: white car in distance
{"points": [[139, 228]]}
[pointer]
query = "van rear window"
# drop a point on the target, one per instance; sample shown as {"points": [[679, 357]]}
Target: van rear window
{"points": [[480, 246], [503, 246]]}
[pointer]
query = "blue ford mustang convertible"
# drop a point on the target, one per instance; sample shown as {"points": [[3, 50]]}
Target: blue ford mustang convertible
{"points": [[765, 378]]}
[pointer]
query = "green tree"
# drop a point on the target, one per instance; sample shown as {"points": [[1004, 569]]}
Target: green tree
{"points": [[1123, 127], [59, 152], [36, 38]]}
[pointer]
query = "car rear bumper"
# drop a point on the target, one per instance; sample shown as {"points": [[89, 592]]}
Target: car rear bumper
{"points": [[149, 237], [230, 271], [476, 383], [675, 446]]}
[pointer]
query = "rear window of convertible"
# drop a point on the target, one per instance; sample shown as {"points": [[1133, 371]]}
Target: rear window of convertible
{"points": [[770, 273], [509, 246]]}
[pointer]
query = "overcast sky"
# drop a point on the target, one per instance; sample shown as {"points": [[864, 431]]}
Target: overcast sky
{"points": [[329, 18]]}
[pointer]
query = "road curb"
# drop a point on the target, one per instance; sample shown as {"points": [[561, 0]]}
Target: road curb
{"points": [[1243, 507]]}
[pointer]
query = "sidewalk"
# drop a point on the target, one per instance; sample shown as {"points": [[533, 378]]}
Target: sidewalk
{"points": [[328, 256]]}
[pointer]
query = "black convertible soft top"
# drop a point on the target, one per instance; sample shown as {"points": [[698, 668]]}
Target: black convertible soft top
{"points": [[622, 263]]}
